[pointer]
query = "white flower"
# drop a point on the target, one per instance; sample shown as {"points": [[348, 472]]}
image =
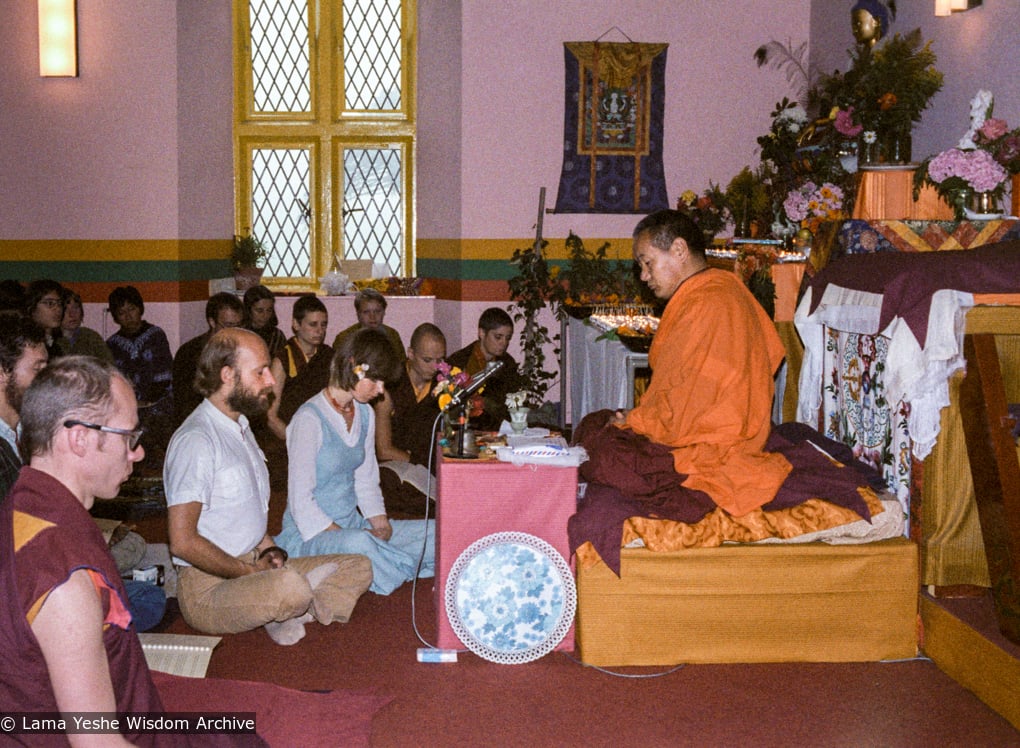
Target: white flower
{"points": [[980, 110], [870, 136], [516, 400]]}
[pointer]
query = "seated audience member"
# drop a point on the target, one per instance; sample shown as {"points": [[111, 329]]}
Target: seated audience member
{"points": [[495, 329], [713, 360], [334, 504], [302, 368], [12, 297], [221, 310], [370, 306], [22, 357], [405, 414], [76, 339], [260, 317], [67, 639], [44, 303], [142, 353], [233, 578]]}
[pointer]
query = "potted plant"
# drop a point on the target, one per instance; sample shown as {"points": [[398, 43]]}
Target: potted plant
{"points": [[247, 259]]}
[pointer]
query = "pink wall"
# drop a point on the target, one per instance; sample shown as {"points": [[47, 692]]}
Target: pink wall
{"points": [[511, 80], [96, 156]]}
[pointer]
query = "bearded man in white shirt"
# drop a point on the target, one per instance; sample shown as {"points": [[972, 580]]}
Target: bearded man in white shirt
{"points": [[233, 578]]}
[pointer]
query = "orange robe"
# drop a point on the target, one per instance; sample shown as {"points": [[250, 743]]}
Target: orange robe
{"points": [[710, 398]]}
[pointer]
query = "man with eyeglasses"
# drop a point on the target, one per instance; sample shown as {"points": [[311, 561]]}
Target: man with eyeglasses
{"points": [[232, 576], [67, 643]]}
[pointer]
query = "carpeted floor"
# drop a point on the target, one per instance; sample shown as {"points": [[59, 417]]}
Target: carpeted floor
{"points": [[556, 701]]}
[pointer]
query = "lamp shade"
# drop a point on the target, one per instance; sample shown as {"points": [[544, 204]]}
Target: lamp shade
{"points": [[58, 38]]}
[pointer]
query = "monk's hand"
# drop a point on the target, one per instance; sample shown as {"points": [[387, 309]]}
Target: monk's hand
{"points": [[619, 417]]}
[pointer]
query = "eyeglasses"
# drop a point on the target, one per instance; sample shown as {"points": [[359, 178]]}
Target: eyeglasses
{"points": [[133, 436], [51, 303]]}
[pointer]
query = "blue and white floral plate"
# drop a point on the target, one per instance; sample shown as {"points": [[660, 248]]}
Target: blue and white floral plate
{"points": [[510, 597]]}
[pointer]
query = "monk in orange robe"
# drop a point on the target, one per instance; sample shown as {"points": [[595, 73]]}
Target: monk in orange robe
{"points": [[713, 360]]}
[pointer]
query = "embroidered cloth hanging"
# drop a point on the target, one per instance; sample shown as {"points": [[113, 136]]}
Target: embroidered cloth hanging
{"points": [[612, 151]]}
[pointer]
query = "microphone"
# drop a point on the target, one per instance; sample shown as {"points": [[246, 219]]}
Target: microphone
{"points": [[474, 385]]}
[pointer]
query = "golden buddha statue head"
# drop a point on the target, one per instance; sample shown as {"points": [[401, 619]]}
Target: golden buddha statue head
{"points": [[869, 20]]}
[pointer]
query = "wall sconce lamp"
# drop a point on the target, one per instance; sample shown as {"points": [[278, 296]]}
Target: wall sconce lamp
{"points": [[58, 38], [947, 7]]}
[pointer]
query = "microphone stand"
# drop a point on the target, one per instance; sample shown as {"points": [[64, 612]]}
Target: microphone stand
{"points": [[461, 435]]}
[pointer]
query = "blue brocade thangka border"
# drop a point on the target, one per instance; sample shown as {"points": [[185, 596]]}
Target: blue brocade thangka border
{"points": [[627, 174]]}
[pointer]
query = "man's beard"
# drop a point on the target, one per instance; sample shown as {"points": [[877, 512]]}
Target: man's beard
{"points": [[247, 402], [14, 394]]}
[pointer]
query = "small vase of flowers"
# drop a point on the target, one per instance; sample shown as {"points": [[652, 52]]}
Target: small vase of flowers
{"points": [[516, 404], [972, 177]]}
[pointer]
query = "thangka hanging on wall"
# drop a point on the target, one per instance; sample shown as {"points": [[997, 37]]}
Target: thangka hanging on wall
{"points": [[612, 149]]}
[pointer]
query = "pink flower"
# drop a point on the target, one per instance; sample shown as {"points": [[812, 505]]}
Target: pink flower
{"points": [[978, 168], [844, 123], [994, 128]]}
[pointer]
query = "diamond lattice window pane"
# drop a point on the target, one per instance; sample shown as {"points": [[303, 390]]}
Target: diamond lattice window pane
{"points": [[374, 206], [280, 182], [279, 55], [372, 54]]}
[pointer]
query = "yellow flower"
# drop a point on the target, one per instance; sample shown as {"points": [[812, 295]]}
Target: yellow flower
{"points": [[444, 400], [689, 196]]}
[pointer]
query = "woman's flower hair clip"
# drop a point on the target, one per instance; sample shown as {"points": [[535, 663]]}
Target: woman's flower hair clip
{"points": [[361, 371]]}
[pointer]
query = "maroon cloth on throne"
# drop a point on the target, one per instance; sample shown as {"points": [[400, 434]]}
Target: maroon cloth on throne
{"points": [[628, 475], [908, 280]]}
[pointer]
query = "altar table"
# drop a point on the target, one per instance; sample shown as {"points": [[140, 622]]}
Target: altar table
{"points": [[481, 497]]}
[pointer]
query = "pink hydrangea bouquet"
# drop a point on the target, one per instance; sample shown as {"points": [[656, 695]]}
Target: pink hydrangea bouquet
{"points": [[810, 204], [957, 174], [976, 170]]}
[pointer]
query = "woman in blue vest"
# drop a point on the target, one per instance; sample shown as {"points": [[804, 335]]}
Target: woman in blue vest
{"points": [[334, 503]]}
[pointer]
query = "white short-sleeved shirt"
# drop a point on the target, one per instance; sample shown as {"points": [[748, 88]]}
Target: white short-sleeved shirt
{"points": [[215, 461]]}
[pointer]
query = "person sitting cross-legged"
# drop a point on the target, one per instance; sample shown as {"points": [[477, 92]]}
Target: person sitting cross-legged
{"points": [[234, 578], [334, 503]]}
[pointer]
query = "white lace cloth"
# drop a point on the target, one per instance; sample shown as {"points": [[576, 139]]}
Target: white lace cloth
{"points": [[916, 374]]}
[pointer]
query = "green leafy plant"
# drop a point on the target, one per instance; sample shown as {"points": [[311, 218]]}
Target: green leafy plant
{"points": [[594, 279], [533, 289], [248, 252], [749, 201]]}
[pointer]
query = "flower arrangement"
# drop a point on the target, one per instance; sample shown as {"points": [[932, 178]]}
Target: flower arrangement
{"points": [[594, 279], [992, 134], [956, 174], [810, 204], [517, 400], [977, 170], [449, 379], [708, 210], [981, 163], [755, 263], [1003, 144], [885, 90]]}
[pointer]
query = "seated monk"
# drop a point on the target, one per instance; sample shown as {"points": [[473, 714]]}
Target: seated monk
{"points": [[405, 417], [713, 360], [699, 441]]}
